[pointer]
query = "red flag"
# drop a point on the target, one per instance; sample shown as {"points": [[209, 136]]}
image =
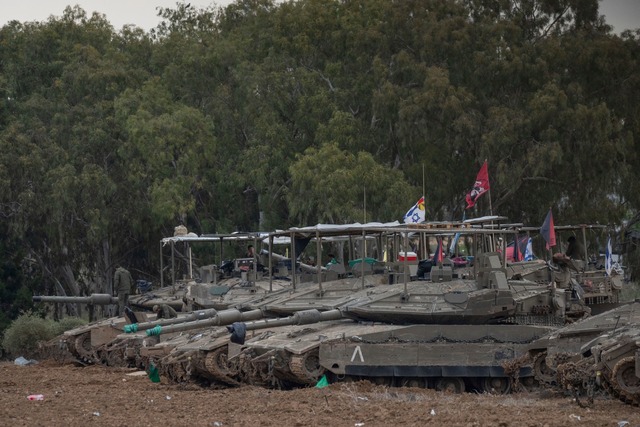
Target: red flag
{"points": [[548, 230], [437, 257], [480, 187]]}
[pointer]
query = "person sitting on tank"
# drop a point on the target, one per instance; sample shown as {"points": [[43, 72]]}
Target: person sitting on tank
{"points": [[251, 253], [332, 260], [164, 311]]}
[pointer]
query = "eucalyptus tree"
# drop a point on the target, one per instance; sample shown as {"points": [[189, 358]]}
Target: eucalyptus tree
{"points": [[58, 148], [330, 185]]}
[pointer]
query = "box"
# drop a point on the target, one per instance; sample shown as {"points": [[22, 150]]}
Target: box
{"points": [[411, 256]]}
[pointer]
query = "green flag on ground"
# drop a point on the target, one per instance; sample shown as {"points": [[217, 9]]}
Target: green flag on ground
{"points": [[322, 382], [154, 375]]}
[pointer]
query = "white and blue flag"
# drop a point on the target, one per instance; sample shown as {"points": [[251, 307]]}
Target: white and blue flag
{"points": [[608, 258], [416, 214], [528, 252]]}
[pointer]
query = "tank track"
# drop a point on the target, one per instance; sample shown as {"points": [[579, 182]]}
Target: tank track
{"points": [[176, 369], [218, 367], [542, 372], [258, 373], [82, 350], [306, 367]]}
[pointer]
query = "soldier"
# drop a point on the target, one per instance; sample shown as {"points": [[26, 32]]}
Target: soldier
{"points": [[164, 311], [251, 253], [122, 287]]}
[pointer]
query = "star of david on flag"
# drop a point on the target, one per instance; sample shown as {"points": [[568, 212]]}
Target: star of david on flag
{"points": [[416, 214]]}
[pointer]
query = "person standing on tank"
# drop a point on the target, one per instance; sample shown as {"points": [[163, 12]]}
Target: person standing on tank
{"points": [[164, 311], [122, 287]]}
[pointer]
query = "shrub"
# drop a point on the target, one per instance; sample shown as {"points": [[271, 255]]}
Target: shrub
{"points": [[21, 338], [66, 324]]}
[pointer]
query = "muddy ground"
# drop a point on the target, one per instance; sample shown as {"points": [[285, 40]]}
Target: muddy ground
{"points": [[102, 396]]}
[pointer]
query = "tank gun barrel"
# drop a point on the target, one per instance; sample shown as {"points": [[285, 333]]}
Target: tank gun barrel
{"points": [[304, 317], [222, 318], [97, 299], [192, 317], [238, 330], [306, 267]]}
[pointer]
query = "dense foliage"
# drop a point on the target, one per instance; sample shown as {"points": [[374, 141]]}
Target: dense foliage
{"points": [[28, 331], [263, 115]]}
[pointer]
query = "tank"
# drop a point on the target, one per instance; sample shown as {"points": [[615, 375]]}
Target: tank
{"points": [[598, 352], [452, 358], [566, 344], [617, 363]]}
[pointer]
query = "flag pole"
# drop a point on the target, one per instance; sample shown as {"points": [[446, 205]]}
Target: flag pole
{"points": [[489, 191], [423, 181], [364, 241], [364, 191], [423, 239]]}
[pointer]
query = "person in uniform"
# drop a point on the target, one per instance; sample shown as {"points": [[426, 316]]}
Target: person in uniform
{"points": [[164, 311], [122, 287]]}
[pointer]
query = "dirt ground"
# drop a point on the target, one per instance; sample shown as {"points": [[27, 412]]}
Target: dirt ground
{"points": [[102, 396]]}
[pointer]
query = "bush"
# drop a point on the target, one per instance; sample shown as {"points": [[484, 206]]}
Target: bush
{"points": [[21, 338], [66, 324]]}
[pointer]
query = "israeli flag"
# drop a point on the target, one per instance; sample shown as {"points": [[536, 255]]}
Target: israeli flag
{"points": [[528, 251], [608, 262], [416, 214]]}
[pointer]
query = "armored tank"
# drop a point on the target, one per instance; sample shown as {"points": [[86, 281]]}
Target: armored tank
{"points": [[566, 344], [617, 361], [600, 351], [428, 316], [445, 357]]}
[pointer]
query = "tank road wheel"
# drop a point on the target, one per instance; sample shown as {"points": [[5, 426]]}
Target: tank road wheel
{"points": [[624, 380], [82, 345], [496, 385], [528, 383], [450, 385], [217, 364], [414, 382], [306, 366], [385, 381], [543, 372]]}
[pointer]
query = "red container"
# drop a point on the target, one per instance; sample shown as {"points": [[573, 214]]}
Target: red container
{"points": [[411, 256]]}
